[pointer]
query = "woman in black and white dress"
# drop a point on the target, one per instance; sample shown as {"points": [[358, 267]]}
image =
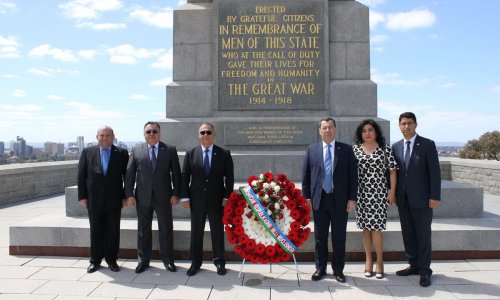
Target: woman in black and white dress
{"points": [[374, 158]]}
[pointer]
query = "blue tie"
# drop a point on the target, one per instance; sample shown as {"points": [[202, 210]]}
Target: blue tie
{"points": [[328, 178], [206, 163], [407, 155], [104, 160]]}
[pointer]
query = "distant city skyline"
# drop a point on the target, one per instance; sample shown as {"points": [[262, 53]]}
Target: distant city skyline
{"points": [[93, 63]]}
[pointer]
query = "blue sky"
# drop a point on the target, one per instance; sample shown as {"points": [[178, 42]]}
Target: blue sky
{"points": [[67, 67]]}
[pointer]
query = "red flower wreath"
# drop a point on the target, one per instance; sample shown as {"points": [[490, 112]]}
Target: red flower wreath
{"points": [[286, 207]]}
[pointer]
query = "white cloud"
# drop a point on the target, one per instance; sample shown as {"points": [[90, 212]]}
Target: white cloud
{"points": [[49, 72], [88, 9], [6, 108], [376, 39], [449, 85], [9, 47], [396, 79], [161, 82], [376, 18], [86, 111], [181, 2], [163, 18], [6, 6], [495, 89], [47, 50], [165, 61], [371, 3], [55, 97], [418, 18], [128, 54], [87, 54], [11, 76], [19, 93], [101, 26]]}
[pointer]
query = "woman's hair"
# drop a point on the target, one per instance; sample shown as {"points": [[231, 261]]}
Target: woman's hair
{"points": [[358, 138]]}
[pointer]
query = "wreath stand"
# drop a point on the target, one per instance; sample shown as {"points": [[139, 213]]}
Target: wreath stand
{"points": [[294, 260]]}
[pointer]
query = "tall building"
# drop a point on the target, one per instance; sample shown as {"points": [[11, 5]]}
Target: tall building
{"points": [[22, 146], [53, 148], [14, 148], [80, 143], [2, 148]]}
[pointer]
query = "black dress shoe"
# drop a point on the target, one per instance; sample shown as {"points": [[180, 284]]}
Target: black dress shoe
{"points": [[425, 280], [408, 271], [171, 267], [193, 270], [92, 268], [339, 277], [318, 275], [113, 267], [221, 269], [141, 267]]}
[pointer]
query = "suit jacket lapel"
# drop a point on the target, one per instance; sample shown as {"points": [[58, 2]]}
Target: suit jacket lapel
{"points": [[319, 155], [336, 156], [415, 150], [97, 158], [162, 152]]}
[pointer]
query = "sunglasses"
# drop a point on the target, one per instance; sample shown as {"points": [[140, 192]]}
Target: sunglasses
{"points": [[207, 132], [151, 131]]}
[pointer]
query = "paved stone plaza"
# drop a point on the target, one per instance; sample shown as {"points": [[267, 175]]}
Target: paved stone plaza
{"points": [[28, 277]]}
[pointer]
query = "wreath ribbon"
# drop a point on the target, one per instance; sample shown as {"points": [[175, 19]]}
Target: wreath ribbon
{"points": [[266, 221]]}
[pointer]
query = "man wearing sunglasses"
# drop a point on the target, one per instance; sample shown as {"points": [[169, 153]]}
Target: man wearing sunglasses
{"points": [[207, 182], [155, 167]]}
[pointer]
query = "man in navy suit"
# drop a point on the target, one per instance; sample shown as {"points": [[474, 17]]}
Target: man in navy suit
{"points": [[101, 171], [418, 191], [207, 182], [330, 181], [155, 167]]}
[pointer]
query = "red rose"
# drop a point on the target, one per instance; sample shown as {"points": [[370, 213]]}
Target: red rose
{"points": [[270, 251], [252, 178], [237, 248], [228, 210], [290, 204], [238, 211], [261, 194], [280, 216], [285, 256], [295, 214], [290, 186], [242, 203], [259, 249], [232, 238], [239, 230], [250, 244], [295, 226], [227, 220], [295, 193], [237, 220], [305, 220], [243, 238], [275, 259], [281, 177]]}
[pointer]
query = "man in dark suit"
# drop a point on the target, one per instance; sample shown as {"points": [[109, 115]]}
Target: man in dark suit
{"points": [[155, 167], [207, 182], [418, 191], [330, 180], [101, 171]]}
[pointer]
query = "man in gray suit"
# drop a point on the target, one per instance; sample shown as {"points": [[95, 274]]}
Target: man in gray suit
{"points": [[418, 191], [155, 167]]}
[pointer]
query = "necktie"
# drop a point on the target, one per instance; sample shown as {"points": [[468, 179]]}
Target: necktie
{"points": [[328, 178], [206, 163], [407, 155], [153, 157], [104, 160]]}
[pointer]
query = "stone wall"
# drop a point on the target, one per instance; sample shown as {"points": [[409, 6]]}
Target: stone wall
{"points": [[483, 173], [26, 181]]}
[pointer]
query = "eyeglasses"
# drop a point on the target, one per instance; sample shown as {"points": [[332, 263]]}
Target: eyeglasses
{"points": [[207, 132], [406, 124], [151, 131]]}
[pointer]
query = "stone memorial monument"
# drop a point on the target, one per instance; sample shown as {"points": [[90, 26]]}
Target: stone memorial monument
{"points": [[264, 72]]}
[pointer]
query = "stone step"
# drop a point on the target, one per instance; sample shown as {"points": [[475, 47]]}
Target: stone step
{"points": [[67, 236], [459, 200]]}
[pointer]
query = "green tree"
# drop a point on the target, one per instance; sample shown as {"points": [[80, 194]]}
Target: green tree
{"points": [[486, 147]]}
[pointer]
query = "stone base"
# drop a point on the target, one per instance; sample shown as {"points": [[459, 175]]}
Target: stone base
{"points": [[460, 238], [459, 200]]}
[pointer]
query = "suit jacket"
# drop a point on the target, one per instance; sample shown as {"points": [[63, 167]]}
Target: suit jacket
{"points": [[164, 179], [217, 185], [102, 192], [422, 181], [345, 174]]}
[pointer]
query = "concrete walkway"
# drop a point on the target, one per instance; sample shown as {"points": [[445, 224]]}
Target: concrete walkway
{"points": [[28, 277]]}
